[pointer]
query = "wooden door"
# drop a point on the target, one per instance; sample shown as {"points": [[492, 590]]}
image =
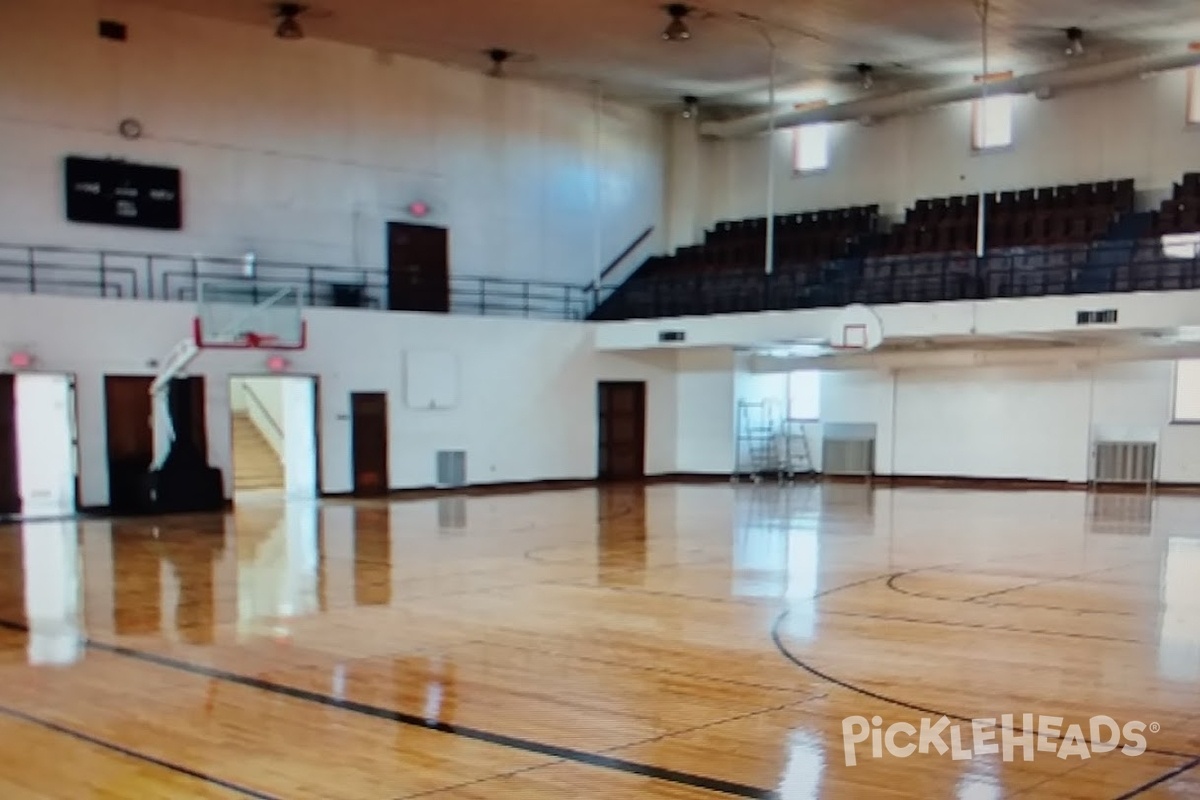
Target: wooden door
{"points": [[622, 424], [128, 411], [10, 485], [369, 442], [418, 268]]}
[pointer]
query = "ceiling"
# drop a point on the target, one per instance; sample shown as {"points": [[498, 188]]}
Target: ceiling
{"points": [[617, 44]]}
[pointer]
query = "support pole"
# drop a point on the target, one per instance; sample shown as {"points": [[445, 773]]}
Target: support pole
{"points": [[981, 229], [769, 261]]}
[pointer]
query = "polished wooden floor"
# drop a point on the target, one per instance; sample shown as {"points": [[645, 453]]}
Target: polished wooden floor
{"points": [[676, 642]]}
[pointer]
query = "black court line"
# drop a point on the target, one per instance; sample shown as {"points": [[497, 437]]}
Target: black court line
{"points": [[777, 638], [125, 751], [512, 742], [1161, 779]]}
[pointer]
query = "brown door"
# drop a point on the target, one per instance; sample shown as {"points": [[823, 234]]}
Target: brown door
{"points": [[622, 408], [418, 268], [128, 410], [10, 486], [369, 441]]}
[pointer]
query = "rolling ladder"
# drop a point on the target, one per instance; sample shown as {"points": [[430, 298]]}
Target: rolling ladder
{"points": [[769, 443]]}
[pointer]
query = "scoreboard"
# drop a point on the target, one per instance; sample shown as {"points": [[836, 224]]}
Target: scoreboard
{"points": [[112, 192]]}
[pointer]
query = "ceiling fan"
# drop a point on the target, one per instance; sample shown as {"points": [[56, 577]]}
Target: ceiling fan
{"points": [[500, 57], [287, 19]]}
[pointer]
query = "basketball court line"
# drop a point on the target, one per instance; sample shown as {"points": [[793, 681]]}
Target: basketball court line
{"points": [[128, 753], [1161, 779], [583, 757], [976, 600], [777, 638]]}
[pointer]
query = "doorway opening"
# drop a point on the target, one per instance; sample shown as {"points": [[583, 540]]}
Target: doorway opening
{"points": [[39, 462], [273, 424], [622, 426]]}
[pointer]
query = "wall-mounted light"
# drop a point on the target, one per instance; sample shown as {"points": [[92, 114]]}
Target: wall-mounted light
{"points": [[277, 363], [691, 107], [418, 209]]}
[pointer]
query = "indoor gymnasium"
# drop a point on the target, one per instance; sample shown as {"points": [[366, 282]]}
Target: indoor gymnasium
{"points": [[528, 400]]}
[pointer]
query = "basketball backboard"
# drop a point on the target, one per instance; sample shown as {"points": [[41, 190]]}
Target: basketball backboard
{"points": [[244, 313], [856, 328]]}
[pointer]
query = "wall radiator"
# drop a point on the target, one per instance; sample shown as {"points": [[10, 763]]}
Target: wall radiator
{"points": [[848, 457], [1123, 462]]}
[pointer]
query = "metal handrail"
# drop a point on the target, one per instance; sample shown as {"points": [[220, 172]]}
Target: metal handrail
{"points": [[250, 393], [56, 269]]}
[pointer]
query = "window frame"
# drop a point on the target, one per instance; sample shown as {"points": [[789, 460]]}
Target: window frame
{"points": [[1175, 419], [798, 148], [979, 137]]}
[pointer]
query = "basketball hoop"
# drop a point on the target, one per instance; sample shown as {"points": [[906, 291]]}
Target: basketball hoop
{"points": [[856, 329], [853, 337], [243, 314]]}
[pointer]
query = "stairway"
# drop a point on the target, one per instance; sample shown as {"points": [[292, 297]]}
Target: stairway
{"points": [[256, 466]]}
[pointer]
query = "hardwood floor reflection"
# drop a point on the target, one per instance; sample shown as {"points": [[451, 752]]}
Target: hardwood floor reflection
{"points": [[662, 642]]}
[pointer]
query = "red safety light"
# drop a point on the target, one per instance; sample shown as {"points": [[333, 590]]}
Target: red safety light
{"points": [[20, 360], [277, 363], [418, 209]]}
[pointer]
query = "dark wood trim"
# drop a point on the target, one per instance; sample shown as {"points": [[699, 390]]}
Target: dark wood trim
{"points": [[616, 262], [707, 478], [965, 482]]}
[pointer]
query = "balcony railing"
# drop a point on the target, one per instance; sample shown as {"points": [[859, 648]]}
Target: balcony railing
{"points": [[37, 269], [1101, 267]]}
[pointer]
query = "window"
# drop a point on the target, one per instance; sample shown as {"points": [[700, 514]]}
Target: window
{"points": [[992, 122], [1193, 98], [811, 148], [804, 394], [1187, 391]]}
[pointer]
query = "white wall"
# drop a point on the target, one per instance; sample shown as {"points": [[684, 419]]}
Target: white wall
{"points": [[303, 150], [1035, 421], [527, 400], [1134, 129]]}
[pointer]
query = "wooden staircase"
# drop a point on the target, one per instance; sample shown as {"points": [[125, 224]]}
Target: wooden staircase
{"points": [[256, 466]]}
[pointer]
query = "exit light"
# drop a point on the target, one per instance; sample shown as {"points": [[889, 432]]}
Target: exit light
{"points": [[418, 209], [20, 360], [277, 363]]}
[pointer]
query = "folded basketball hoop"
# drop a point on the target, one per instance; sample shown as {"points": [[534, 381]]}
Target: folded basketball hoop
{"points": [[244, 313]]}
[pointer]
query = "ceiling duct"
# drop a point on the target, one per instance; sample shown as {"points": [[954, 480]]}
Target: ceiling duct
{"points": [[907, 102]]}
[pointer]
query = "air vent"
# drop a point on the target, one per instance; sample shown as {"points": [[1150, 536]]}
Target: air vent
{"points": [[1107, 316], [451, 468], [672, 336], [1124, 462], [848, 457]]}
